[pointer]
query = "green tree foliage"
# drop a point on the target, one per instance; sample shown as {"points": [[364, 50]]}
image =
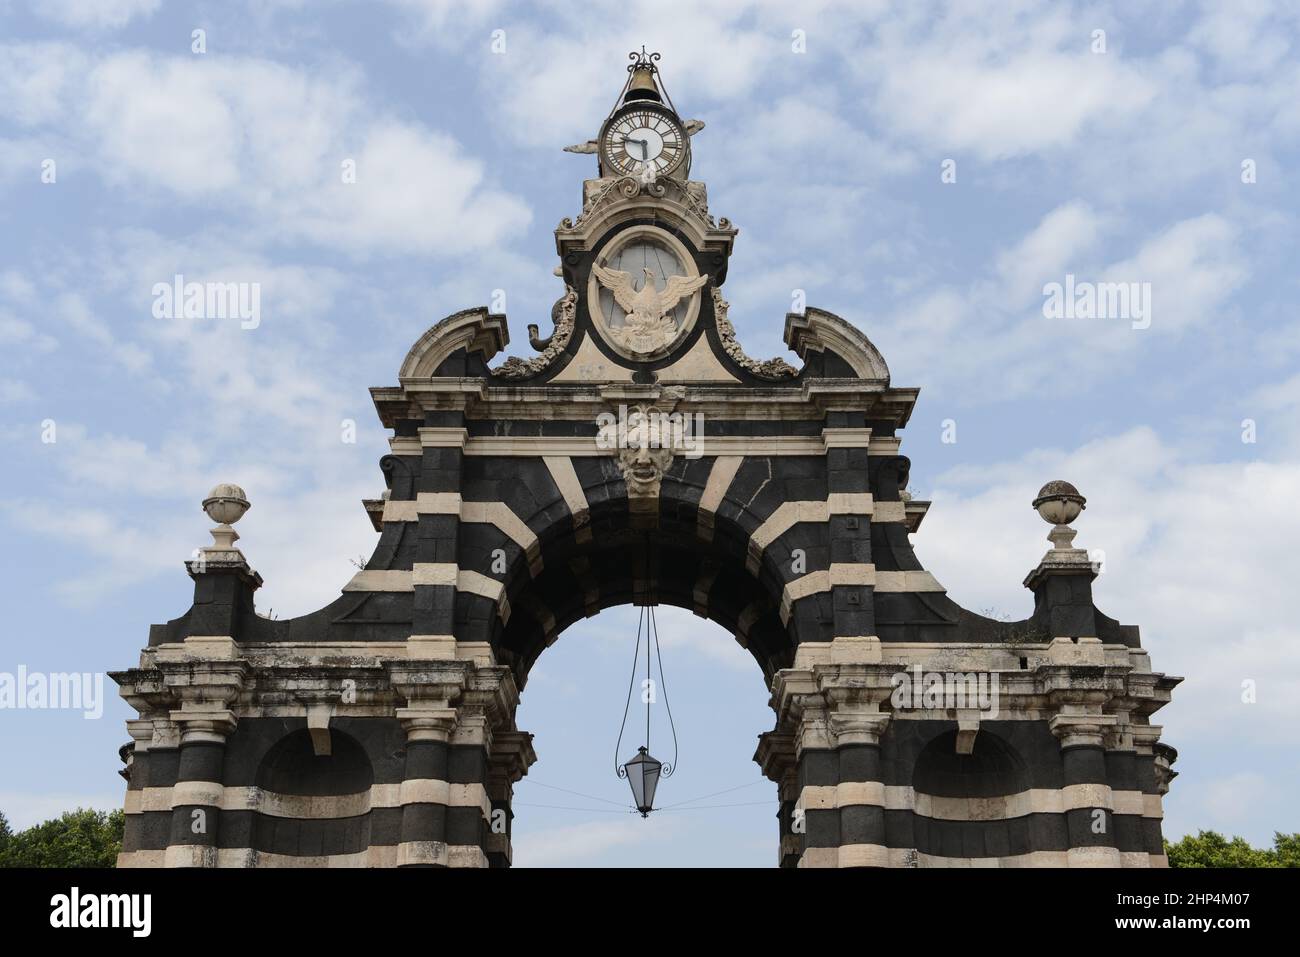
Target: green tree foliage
{"points": [[1212, 849], [80, 838], [1287, 849]]}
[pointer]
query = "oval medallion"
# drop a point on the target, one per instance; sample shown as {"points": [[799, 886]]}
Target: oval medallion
{"points": [[644, 292]]}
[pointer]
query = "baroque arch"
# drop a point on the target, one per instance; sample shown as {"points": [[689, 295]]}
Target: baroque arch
{"points": [[638, 456]]}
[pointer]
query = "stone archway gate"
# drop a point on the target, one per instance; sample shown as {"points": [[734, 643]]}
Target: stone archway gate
{"points": [[640, 456]]}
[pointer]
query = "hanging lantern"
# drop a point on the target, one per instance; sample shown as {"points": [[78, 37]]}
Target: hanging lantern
{"points": [[643, 775], [643, 771]]}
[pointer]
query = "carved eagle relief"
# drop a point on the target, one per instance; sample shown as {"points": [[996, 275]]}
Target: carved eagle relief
{"points": [[648, 326]]}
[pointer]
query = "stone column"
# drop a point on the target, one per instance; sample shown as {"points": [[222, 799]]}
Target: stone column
{"points": [[512, 755], [1089, 806], [776, 756], [856, 725], [1154, 773], [453, 708], [205, 689], [815, 814], [425, 790], [154, 756], [429, 719], [832, 711], [1140, 765], [1121, 775], [196, 796], [487, 708]]}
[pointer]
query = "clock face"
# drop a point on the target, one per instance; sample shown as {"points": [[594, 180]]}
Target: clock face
{"points": [[643, 139]]}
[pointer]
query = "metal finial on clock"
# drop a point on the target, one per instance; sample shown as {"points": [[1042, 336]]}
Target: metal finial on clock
{"points": [[643, 61]]}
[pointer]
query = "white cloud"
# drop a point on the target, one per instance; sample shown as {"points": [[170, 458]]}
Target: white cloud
{"points": [[98, 14], [270, 141], [98, 334], [302, 536], [1247, 37], [16, 287], [961, 92], [432, 18], [171, 122], [20, 160], [15, 390], [415, 192], [38, 80], [682, 631], [105, 550], [1049, 251], [1194, 266], [1207, 796], [579, 57], [1192, 554], [15, 331]]}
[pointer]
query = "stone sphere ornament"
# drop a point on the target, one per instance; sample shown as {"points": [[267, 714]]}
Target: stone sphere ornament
{"points": [[226, 503], [1059, 503]]}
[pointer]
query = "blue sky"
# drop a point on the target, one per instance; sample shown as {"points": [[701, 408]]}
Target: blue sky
{"points": [[1122, 165]]}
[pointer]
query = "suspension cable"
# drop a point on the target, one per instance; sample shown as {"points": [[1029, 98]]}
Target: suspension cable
{"points": [[702, 797], [552, 787], [618, 748], [663, 686]]}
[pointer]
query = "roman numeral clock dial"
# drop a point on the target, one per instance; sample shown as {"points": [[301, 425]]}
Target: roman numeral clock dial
{"points": [[644, 139]]}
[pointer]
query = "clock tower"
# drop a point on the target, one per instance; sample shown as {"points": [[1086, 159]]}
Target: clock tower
{"points": [[644, 261]]}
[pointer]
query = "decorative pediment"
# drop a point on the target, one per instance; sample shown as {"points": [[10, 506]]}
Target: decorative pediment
{"points": [[816, 330], [474, 330]]}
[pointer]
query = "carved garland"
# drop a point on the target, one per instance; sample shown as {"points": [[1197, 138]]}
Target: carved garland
{"points": [[776, 368], [563, 314]]}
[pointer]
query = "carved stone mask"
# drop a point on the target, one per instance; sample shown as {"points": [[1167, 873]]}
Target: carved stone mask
{"points": [[645, 452], [643, 469]]}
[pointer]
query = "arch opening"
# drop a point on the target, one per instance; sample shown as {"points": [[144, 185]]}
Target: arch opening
{"points": [[573, 706]]}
